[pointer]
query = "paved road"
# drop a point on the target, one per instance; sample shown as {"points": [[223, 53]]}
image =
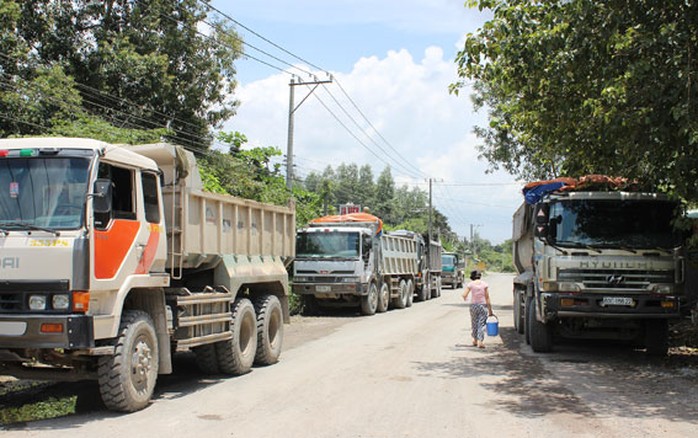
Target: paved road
{"points": [[412, 373]]}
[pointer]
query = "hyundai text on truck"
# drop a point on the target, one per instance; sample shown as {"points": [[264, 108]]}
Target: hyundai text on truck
{"points": [[596, 260], [114, 258], [348, 260]]}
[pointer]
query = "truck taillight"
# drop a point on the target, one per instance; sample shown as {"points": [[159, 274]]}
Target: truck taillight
{"points": [[81, 301], [4, 153]]}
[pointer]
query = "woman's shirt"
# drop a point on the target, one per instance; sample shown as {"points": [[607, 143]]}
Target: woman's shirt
{"points": [[477, 291]]}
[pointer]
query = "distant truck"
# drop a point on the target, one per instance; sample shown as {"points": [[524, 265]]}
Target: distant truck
{"points": [[595, 262], [452, 269], [114, 258], [347, 260], [429, 269]]}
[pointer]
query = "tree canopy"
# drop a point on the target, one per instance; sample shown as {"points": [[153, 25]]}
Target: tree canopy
{"points": [[576, 87], [140, 65]]}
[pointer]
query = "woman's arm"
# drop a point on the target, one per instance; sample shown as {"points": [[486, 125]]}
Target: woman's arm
{"points": [[487, 299]]}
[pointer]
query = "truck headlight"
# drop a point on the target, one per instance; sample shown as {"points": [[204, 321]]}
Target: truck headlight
{"points": [[37, 302], [664, 289], [60, 302], [562, 286], [350, 280]]}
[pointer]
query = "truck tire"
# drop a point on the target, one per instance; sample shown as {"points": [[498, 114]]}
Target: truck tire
{"points": [[270, 329], [236, 355], [369, 302], [206, 359], [383, 298], [540, 334], [401, 301], [437, 292], [127, 378], [425, 291], [657, 337], [519, 319], [410, 292]]}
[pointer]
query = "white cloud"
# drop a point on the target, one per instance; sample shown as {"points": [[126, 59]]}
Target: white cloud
{"points": [[407, 100]]}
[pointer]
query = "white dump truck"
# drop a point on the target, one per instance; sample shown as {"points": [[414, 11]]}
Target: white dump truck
{"points": [[114, 258], [347, 260], [429, 266], [596, 261]]}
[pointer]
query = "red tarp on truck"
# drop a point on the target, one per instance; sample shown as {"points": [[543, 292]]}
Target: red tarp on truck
{"points": [[351, 217], [534, 191]]}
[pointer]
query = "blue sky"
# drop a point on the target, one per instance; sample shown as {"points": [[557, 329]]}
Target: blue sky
{"points": [[394, 61]]}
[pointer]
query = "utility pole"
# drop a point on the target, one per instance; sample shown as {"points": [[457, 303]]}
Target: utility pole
{"points": [[429, 226], [291, 111], [472, 238]]}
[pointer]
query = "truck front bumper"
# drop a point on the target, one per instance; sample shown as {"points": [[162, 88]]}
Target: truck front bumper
{"points": [[602, 306], [46, 331], [330, 290]]}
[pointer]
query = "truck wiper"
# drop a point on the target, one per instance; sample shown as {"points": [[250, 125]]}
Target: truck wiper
{"points": [[564, 252], [28, 226], [625, 248]]}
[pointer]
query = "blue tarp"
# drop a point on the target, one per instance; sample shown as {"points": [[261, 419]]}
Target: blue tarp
{"points": [[534, 194]]}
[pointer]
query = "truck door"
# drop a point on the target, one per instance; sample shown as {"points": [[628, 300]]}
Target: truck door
{"points": [[130, 237]]}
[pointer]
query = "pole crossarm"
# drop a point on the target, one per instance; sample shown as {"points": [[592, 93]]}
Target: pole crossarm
{"points": [[292, 107]]}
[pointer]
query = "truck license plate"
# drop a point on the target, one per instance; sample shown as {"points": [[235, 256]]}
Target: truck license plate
{"points": [[617, 301], [323, 289]]}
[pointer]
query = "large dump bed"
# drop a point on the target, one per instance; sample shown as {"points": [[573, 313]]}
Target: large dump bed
{"points": [[203, 226], [522, 236], [399, 255]]}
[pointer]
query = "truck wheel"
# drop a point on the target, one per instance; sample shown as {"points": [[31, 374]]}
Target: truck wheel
{"points": [[657, 337], [540, 334], [410, 293], [519, 319], [401, 301], [206, 359], [270, 329], [527, 332], [437, 292], [369, 302], [236, 355], [383, 298], [127, 378], [425, 291]]}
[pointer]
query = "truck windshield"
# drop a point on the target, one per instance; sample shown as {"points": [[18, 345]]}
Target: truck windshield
{"points": [[42, 192], [448, 260], [630, 224], [330, 244]]}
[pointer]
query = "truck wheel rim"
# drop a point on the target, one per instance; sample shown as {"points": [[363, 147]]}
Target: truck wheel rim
{"points": [[141, 363]]}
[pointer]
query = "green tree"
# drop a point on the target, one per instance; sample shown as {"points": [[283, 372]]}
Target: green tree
{"points": [[385, 194], [366, 187], [136, 64], [347, 183], [582, 86]]}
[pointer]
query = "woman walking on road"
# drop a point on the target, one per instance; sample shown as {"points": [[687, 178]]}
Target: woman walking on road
{"points": [[480, 307]]}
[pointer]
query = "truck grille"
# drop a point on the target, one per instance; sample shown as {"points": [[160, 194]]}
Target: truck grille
{"points": [[619, 280], [14, 294], [10, 301]]}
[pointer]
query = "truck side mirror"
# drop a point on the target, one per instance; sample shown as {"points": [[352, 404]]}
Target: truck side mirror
{"points": [[366, 243], [102, 196]]}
